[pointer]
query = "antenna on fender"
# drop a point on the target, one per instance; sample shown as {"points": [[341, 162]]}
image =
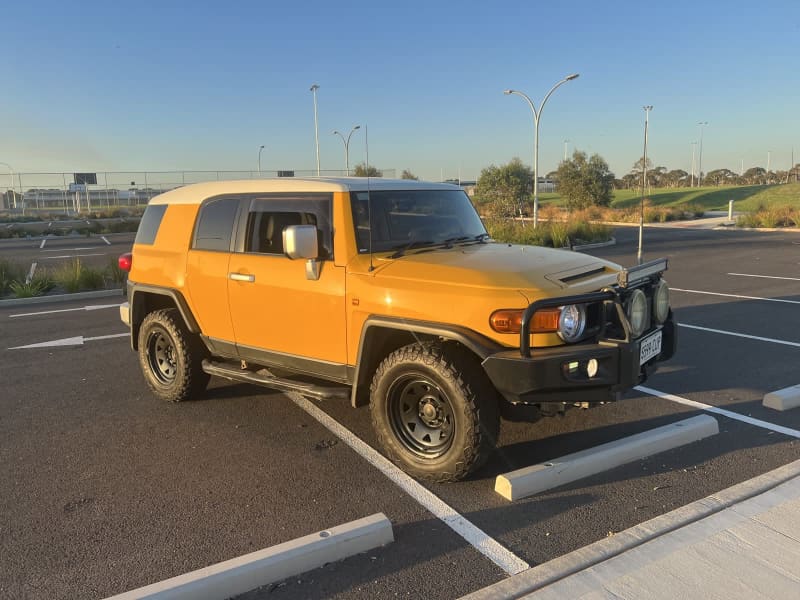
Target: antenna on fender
{"points": [[369, 199]]}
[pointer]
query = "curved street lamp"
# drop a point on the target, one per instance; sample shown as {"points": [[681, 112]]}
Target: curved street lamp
{"points": [[11, 174], [536, 116], [260, 148], [346, 146]]}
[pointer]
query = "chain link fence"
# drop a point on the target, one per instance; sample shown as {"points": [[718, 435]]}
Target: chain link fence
{"points": [[58, 192]]}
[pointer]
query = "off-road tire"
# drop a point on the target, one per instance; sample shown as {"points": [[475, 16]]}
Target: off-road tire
{"points": [[434, 411], [171, 357]]}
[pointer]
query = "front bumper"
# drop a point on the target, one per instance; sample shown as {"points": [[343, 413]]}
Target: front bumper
{"points": [[594, 371], [560, 374]]}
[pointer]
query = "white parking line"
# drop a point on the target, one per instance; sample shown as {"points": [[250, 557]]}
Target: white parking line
{"points": [[672, 289], [74, 255], [42, 244], [720, 411], [484, 544], [765, 276], [73, 249], [102, 237], [62, 310], [741, 335]]}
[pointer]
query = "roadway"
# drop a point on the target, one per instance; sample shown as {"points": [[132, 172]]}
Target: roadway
{"points": [[107, 489]]}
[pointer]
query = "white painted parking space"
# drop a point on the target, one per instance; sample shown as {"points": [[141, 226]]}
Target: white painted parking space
{"points": [[73, 255], [737, 296], [764, 276], [77, 340], [784, 399], [63, 310], [579, 465], [489, 547], [741, 335], [251, 571], [720, 411]]}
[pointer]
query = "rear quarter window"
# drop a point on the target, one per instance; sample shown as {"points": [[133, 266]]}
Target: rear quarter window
{"points": [[148, 226], [215, 224]]}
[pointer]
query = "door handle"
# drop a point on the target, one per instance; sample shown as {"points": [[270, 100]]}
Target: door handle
{"points": [[242, 277]]}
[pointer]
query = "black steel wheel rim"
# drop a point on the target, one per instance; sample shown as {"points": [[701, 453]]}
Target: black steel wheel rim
{"points": [[421, 415], [161, 357]]}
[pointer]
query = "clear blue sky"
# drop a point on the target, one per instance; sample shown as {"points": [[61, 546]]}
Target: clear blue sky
{"points": [[198, 85]]}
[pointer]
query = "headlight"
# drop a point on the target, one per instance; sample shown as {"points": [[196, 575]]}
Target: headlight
{"points": [[637, 312], [661, 302], [572, 322]]}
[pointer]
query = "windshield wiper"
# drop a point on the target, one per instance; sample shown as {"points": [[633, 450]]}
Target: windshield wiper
{"points": [[448, 243], [401, 250]]}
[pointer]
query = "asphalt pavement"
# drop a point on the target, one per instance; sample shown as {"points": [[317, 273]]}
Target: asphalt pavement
{"points": [[106, 489]]}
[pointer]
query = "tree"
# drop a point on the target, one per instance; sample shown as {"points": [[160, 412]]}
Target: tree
{"points": [[362, 170], [676, 178], [505, 187], [585, 181], [408, 175], [755, 176], [720, 177]]}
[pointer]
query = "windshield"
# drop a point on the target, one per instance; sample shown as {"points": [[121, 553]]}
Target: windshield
{"points": [[400, 217]]}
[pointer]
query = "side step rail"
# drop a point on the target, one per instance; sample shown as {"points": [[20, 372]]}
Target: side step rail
{"points": [[310, 390]]}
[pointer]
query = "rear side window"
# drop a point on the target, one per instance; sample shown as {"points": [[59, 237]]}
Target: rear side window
{"points": [[148, 226], [215, 224]]}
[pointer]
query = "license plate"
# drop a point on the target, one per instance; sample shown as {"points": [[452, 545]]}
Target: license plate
{"points": [[650, 347]]}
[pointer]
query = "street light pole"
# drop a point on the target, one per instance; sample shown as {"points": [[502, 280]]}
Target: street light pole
{"points": [[700, 161], [536, 116], [313, 90], [647, 110], [694, 145], [13, 193], [565, 150], [260, 148], [346, 147]]}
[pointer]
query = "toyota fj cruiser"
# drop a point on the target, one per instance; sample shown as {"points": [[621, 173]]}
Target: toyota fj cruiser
{"points": [[391, 293]]}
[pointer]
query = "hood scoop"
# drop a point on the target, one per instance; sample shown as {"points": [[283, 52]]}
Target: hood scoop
{"points": [[572, 276]]}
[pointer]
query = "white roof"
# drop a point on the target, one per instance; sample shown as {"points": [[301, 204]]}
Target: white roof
{"points": [[196, 193]]}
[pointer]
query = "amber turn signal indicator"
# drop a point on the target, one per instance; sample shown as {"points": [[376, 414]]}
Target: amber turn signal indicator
{"points": [[510, 320]]}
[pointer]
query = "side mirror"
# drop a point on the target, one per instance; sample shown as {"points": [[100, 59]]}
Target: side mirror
{"points": [[300, 241]]}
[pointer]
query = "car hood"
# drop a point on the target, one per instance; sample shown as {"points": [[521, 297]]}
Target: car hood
{"points": [[496, 265]]}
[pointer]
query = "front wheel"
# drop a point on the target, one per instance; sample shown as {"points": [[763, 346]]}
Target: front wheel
{"points": [[171, 357], [434, 411]]}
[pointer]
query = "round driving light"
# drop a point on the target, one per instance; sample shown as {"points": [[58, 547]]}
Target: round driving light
{"points": [[637, 312], [572, 322], [591, 368], [661, 301]]}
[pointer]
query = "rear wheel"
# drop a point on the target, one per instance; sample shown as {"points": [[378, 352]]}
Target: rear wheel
{"points": [[171, 357], [434, 411]]}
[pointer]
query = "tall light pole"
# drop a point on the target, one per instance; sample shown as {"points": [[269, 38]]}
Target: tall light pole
{"points": [[565, 150], [313, 89], [694, 145], [769, 156], [647, 110], [260, 148], [346, 146], [536, 116], [700, 160], [13, 193]]}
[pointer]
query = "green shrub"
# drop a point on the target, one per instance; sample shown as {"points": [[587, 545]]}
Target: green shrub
{"points": [[68, 275], [92, 279], [38, 286], [9, 272]]}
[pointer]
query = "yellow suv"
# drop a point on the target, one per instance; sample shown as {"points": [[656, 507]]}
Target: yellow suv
{"points": [[391, 293]]}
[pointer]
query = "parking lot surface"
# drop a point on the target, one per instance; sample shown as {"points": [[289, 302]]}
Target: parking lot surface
{"points": [[105, 489]]}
